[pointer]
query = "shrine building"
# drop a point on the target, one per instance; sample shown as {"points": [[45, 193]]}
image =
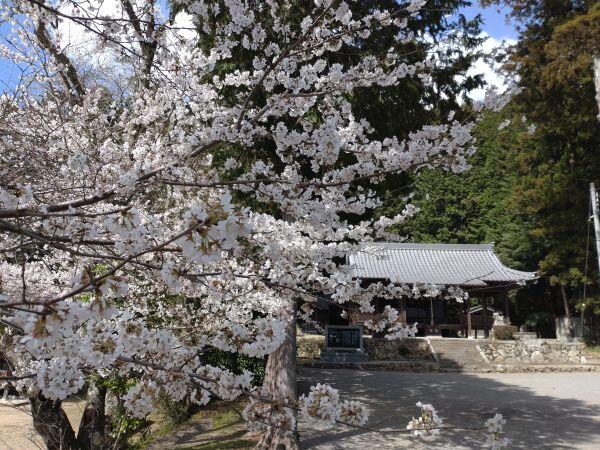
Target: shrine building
{"points": [[474, 268]]}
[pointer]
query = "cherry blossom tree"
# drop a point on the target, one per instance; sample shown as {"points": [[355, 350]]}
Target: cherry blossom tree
{"points": [[125, 150]]}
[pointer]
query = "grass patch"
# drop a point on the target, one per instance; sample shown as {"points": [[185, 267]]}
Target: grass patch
{"points": [[216, 426], [226, 445], [155, 429], [593, 348], [228, 418]]}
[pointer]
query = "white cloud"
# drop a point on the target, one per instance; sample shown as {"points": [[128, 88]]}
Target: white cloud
{"points": [[489, 70]]}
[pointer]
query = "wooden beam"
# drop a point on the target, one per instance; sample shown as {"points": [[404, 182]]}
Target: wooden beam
{"points": [[468, 319], [506, 308], [486, 331], [403, 317]]}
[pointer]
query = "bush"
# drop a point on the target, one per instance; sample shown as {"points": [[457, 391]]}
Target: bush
{"points": [[174, 412], [504, 332], [237, 363], [403, 350], [122, 424]]}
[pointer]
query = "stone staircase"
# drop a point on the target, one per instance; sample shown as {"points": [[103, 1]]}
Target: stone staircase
{"points": [[459, 354]]}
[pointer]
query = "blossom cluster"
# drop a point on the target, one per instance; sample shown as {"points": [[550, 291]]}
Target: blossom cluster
{"points": [[323, 404], [171, 199], [495, 427], [427, 424]]}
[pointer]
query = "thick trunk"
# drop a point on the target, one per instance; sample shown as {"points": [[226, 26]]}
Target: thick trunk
{"points": [[280, 385], [51, 422], [91, 435], [568, 324]]}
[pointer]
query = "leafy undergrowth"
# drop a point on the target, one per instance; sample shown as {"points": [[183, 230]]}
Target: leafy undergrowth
{"points": [[592, 353], [217, 426], [593, 350], [227, 445]]}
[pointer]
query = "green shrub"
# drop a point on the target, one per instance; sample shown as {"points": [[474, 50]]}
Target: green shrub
{"points": [[174, 412], [504, 332], [403, 350], [237, 363], [122, 424]]}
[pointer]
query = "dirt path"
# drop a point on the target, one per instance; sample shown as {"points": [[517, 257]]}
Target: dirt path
{"points": [[16, 427], [215, 427]]}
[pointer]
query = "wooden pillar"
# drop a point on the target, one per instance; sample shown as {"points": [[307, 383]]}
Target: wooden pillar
{"points": [[486, 331], [469, 324], [464, 314], [431, 310], [467, 308], [506, 309], [403, 317]]}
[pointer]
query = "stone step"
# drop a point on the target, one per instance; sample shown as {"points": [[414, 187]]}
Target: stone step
{"points": [[457, 355], [428, 366]]}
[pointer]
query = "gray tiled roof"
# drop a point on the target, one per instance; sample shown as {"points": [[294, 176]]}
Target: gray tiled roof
{"points": [[444, 264]]}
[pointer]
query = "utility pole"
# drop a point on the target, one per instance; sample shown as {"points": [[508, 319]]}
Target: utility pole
{"points": [[594, 199]]}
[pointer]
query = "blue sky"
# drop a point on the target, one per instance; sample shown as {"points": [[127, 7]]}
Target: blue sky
{"points": [[494, 20], [494, 24]]}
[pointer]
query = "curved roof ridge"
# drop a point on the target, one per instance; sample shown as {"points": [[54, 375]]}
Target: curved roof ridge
{"points": [[429, 246], [428, 263]]}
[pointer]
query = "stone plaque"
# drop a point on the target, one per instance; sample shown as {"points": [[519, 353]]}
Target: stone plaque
{"points": [[343, 337]]}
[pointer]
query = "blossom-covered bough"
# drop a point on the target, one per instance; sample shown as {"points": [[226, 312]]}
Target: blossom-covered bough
{"points": [[157, 199]]}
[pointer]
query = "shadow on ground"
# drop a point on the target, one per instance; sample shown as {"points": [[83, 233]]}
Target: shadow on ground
{"points": [[544, 411]]}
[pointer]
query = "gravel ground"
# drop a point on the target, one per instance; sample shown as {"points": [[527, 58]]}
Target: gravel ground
{"points": [[16, 428], [544, 410]]}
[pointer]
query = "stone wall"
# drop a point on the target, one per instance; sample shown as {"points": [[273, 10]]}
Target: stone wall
{"points": [[380, 349], [532, 351], [309, 346]]}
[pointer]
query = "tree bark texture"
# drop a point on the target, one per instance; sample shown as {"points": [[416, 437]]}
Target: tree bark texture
{"points": [[280, 384], [92, 430], [568, 324], [51, 422]]}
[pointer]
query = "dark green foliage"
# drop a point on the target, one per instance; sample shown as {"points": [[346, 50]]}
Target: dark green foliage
{"points": [[541, 322], [122, 424], [237, 363], [174, 412], [392, 111], [403, 351], [529, 193], [475, 206], [553, 63]]}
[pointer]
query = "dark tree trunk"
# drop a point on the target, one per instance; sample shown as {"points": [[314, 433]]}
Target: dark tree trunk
{"points": [[280, 384], [51, 422], [91, 435]]}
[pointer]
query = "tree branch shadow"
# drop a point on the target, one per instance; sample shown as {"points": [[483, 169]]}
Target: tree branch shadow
{"points": [[550, 420]]}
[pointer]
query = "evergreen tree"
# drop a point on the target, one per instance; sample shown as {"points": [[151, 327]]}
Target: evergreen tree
{"points": [[443, 35], [529, 192], [554, 174]]}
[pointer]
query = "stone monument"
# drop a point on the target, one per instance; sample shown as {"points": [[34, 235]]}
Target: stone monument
{"points": [[343, 344]]}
